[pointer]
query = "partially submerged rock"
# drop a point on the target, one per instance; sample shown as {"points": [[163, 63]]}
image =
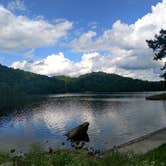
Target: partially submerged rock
{"points": [[50, 150], [78, 132], [12, 150]]}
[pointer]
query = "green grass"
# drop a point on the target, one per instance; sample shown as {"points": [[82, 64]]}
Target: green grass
{"points": [[4, 158], [37, 157], [157, 97]]}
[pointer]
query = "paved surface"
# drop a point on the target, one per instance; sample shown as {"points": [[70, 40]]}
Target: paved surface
{"points": [[145, 143]]}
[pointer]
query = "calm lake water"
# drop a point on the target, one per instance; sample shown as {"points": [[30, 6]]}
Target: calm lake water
{"points": [[114, 119]]}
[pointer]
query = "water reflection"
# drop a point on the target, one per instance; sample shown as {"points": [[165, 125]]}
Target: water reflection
{"points": [[80, 141], [113, 118], [164, 104]]}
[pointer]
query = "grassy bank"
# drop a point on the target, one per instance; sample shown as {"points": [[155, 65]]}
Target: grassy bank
{"points": [[157, 97], [37, 157]]}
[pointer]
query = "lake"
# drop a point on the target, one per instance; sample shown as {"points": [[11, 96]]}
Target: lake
{"points": [[114, 119]]}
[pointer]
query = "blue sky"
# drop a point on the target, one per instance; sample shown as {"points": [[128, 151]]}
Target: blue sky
{"points": [[84, 11], [81, 35]]}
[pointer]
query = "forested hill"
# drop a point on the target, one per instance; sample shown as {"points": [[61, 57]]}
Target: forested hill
{"points": [[103, 82], [26, 82], [30, 83]]}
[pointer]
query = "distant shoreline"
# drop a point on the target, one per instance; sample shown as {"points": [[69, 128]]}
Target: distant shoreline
{"points": [[157, 97]]}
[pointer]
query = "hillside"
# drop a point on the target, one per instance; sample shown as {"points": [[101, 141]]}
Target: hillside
{"points": [[103, 82], [30, 83], [26, 82]]}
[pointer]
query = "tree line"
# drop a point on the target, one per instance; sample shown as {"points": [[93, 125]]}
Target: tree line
{"points": [[20, 82]]}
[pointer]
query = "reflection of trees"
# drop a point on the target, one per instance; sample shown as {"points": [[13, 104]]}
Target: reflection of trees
{"points": [[96, 105], [10, 103]]}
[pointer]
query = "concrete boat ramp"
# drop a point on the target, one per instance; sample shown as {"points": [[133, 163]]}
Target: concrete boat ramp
{"points": [[145, 143]]}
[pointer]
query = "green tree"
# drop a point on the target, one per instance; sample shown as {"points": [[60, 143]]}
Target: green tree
{"points": [[158, 44]]}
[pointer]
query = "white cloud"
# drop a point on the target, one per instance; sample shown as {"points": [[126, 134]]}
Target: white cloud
{"points": [[51, 65], [60, 65], [127, 51], [21, 33], [16, 5], [127, 42], [124, 36]]}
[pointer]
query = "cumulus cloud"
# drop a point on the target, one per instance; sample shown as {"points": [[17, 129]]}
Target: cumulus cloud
{"points": [[21, 33], [16, 5], [58, 64], [127, 51], [127, 42], [124, 36], [51, 65]]}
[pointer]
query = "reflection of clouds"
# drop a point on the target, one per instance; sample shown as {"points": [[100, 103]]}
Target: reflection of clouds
{"points": [[118, 121], [66, 115], [101, 115], [112, 121], [56, 120], [143, 116], [22, 118], [87, 115]]}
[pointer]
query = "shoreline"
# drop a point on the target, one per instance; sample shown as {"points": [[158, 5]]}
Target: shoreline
{"points": [[139, 145], [118, 156], [145, 143], [161, 96]]}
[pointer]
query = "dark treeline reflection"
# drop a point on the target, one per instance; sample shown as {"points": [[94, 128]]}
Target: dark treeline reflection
{"points": [[12, 99]]}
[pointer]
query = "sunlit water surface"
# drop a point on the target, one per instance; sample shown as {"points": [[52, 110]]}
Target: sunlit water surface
{"points": [[114, 119]]}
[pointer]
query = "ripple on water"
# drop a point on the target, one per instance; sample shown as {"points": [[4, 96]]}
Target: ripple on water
{"points": [[114, 119]]}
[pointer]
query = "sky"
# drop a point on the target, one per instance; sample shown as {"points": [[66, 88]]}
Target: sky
{"points": [[74, 37]]}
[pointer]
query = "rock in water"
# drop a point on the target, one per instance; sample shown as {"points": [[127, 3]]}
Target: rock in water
{"points": [[79, 131], [12, 150]]}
